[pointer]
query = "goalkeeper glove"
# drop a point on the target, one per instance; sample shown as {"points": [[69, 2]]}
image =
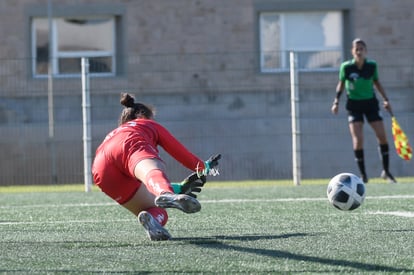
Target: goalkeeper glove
{"points": [[210, 166], [196, 180], [190, 185]]}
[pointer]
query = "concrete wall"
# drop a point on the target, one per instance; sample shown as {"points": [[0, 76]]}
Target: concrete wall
{"points": [[196, 61], [153, 33]]}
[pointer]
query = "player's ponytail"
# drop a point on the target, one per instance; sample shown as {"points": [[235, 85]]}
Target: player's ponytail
{"points": [[127, 100], [134, 110]]}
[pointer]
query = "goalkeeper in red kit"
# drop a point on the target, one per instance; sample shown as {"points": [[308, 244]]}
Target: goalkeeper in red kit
{"points": [[127, 168]]}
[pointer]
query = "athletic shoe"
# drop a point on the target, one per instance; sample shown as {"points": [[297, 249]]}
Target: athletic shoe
{"points": [[386, 175], [182, 202], [155, 231]]}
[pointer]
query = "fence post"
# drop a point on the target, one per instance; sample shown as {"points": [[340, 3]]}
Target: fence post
{"points": [[52, 145], [294, 100], [86, 114]]}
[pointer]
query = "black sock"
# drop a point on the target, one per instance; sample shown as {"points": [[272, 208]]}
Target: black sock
{"points": [[383, 148], [359, 158]]}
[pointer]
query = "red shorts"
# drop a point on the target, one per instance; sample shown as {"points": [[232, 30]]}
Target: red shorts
{"points": [[118, 185], [114, 164]]}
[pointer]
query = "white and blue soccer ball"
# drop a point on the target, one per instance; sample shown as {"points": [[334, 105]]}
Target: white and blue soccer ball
{"points": [[346, 191]]}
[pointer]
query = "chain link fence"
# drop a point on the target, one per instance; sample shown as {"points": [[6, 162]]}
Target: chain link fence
{"points": [[213, 103]]}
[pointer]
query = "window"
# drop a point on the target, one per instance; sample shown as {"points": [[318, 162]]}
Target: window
{"points": [[70, 40], [316, 36]]}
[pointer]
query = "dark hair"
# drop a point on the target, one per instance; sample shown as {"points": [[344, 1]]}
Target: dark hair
{"points": [[359, 41], [134, 110]]}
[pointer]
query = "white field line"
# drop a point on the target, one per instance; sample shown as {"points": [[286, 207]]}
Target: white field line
{"points": [[203, 201], [302, 199], [62, 222], [392, 213]]}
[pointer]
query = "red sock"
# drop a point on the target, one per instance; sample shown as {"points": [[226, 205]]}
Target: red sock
{"points": [[160, 214], [157, 182]]}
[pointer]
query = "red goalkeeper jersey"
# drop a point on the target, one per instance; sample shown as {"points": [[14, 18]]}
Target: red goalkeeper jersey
{"points": [[124, 147], [138, 139]]}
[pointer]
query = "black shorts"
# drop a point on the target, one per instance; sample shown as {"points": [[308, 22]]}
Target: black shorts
{"points": [[358, 109]]}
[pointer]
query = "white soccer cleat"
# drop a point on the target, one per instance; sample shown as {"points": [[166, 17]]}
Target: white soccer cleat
{"points": [[182, 202], [155, 231]]}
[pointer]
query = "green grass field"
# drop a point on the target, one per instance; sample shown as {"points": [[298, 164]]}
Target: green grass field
{"points": [[243, 227]]}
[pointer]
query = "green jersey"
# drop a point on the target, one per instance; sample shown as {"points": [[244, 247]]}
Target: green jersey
{"points": [[359, 83]]}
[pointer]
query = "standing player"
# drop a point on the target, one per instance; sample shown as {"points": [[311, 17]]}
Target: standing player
{"points": [[359, 76], [127, 168]]}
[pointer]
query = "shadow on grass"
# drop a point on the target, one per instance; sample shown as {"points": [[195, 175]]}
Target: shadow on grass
{"points": [[394, 230], [219, 242], [217, 239]]}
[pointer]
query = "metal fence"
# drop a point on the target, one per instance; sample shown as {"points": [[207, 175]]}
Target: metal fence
{"points": [[213, 103]]}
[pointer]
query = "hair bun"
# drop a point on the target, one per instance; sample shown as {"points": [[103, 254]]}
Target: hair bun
{"points": [[127, 100]]}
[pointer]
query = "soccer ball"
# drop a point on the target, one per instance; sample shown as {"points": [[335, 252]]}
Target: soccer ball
{"points": [[346, 191]]}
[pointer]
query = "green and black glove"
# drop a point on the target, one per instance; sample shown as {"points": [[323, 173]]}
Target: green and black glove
{"points": [[213, 161], [194, 182], [190, 185], [210, 166]]}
